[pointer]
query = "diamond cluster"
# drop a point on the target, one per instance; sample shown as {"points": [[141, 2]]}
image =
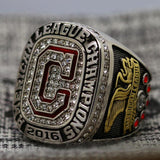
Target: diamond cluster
{"points": [[35, 75]]}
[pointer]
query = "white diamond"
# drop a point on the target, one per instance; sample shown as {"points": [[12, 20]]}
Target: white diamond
{"points": [[56, 104], [102, 88], [54, 56], [61, 83], [68, 60], [55, 41], [36, 51], [49, 89], [77, 87], [51, 81], [61, 100], [53, 76], [48, 41], [25, 94], [64, 63], [56, 84], [73, 101], [67, 43], [80, 64], [36, 88], [48, 122], [75, 94], [48, 94], [100, 98], [42, 121], [31, 72], [28, 112], [80, 71], [40, 72], [72, 107], [61, 42], [67, 116], [105, 48], [37, 119], [72, 86], [60, 120], [43, 45], [60, 57], [50, 108], [25, 103], [54, 69], [32, 117], [67, 69], [58, 77], [72, 44], [38, 103], [44, 107], [67, 85], [105, 71]]}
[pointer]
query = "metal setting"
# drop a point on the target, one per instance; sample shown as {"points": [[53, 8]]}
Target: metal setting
{"points": [[75, 84]]}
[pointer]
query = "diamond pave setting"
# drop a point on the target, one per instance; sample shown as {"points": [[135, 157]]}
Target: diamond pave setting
{"points": [[53, 84]]}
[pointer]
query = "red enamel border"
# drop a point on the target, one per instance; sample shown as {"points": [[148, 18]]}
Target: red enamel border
{"points": [[44, 80]]}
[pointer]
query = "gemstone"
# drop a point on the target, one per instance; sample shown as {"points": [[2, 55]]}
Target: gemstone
{"points": [[61, 42], [141, 101], [105, 48], [67, 116], [48, 122], [67, 43], [148, 88], [67, 69], [67, 85], [48, 41], [77, 87], [56, 104], [136, 123], [54, 56], [55, 41], [90, 128], [105, 72], [36, 51], [58, 77], [54, 69], [60, 57], [68, 60], [142, 116], [74, 101], [72, 86], [100, 98], [44, 107], [147, 102], [102, 88], [145, 78], [72, 44], [80, 140], [43, 45], [64, 63], [85, 135]]}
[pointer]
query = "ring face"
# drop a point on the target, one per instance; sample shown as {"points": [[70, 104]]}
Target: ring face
{"points": [[75, 84], [57, 83]]}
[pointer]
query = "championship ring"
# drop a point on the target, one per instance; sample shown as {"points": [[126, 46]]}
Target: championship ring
{"points": [[76, 84]]}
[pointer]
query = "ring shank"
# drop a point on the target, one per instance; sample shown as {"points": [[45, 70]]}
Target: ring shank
{"points": [[123, 116]]}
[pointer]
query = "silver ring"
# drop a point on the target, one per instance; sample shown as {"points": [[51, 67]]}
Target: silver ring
{"points": [[76, 84]]}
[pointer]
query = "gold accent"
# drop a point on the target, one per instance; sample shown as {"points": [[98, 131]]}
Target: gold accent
{"points": [[125, 97]]}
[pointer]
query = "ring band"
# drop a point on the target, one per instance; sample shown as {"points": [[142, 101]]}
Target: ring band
{"points": [[76, 84]]}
